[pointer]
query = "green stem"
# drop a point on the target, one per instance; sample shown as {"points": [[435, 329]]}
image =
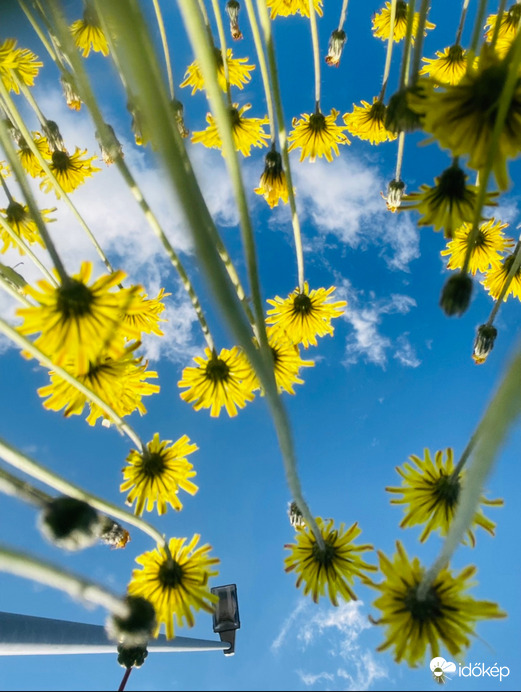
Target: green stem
{"points": [[8, 288], [28, 95], [23, 565], [28, 346], [316, 52], [464, 457], [500, 415], [224, 49], [89, 99], [476, 34], [516, 263], [406, 56], [343, 14], [7, 145], [389, 52], [283, 140], [39, 32], [166, 52], [263, 66], [462, 21], [399, 156], [27, 465], [505, 101], [418, 46], [22, 490], [497, 25]]}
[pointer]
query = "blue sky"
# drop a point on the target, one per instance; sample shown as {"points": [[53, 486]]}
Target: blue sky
{"points": [[397, 377]]}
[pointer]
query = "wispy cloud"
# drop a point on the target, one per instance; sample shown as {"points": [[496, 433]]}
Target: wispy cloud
{"points": [[366, 342], [353, 666]]}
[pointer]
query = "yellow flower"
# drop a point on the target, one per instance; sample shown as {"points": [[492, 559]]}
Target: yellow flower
{"points": [[448, 67], [156, 474], [445, 616], [247, 132], [238, 72], [496, 276], [5, 171], [17, 63], [448, 204], [273, 186], [462, 116], [142, 315], [304, 315], [334, 567], [22, 224], [382, 22], [317, 135], [507, 29], [217, 381], [176, 584], [69, 170], [431, 493], [283, 8], [286, 364], [76, 322], [489, 243], [120, 382], [367, 122], [88, 34], [29, 161]]}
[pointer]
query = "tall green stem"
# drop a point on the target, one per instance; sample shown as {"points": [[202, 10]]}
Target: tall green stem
{"points": [[389, 53], [462, 21], [166, 52], [343, 14], [316, 52], [512, 272], [418, 46], [224, 49]]}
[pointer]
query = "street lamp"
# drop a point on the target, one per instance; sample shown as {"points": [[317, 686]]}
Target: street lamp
{"points": [[226, 615]]}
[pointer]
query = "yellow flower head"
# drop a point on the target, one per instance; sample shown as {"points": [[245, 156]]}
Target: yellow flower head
{"points": [[273, 186], [283, 8], [22, 224], [238, 72], [367, 122], [120, 382], [88, 34], [17, 64], [430, 493], [445, 616], [29, 161], [143, 314], [382, 22], [496, 276], [462, 116], [156, 474], [334, 567], [304, 315], [217, 381], [176, 585], [70, 170], [77, 323], [489, 243], [286, 364], [448, 67], [247, 132], [507, 29], [317, 135], [448, 204]]}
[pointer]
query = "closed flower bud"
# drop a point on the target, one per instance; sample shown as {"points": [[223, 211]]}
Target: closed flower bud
{"points": [[109, 144], [131, 656], [395, 192], [69, 91], [70, 523], [336, 45], [455, 296], [399, 116], [178, 109], [232, 10], [54, 138], [114, 534], [137, 627], [295, 515], [484, 343]]}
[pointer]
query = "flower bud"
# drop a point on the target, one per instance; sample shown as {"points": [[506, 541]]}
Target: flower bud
{"points": [[484, 343], [70, 523], [395, 192], [455, 296], [69, 91], [232, 10], [399, 117], [178, 109], [137, 627], [295, 515], [54, 138], [114, 534], [336, 45], [109, 144], [131, 656]]}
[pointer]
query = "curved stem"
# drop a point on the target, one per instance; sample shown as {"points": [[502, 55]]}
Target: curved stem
{"points": [[28, 346], [12, 157], [224, 49], [283, 141], [263, 66], [35, 470], [462, 21], [389, 52], [166, 52], [316, 52], [343, 14], [23, 565]]}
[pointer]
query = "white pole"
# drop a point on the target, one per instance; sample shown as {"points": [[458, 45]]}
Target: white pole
{"points": [[24, 635]]}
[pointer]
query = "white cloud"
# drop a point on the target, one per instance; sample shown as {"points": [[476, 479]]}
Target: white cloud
{"points": [[353, 667], [342, 199], [366, 341]]}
